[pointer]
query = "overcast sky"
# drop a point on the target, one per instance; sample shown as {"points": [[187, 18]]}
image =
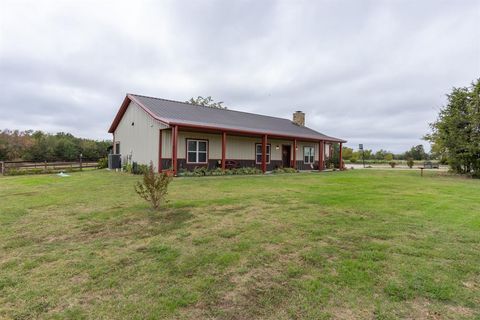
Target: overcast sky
{"points": [[372, 72]]}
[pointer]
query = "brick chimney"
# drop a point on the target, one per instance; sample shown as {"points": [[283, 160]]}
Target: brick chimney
{"points": [[299, 118]]}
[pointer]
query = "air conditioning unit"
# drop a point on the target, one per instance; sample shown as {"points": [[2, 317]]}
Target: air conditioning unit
{"points": [[114, 161]]}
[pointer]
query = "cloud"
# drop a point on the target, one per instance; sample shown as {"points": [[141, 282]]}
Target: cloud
{"points": [[372, 72]]}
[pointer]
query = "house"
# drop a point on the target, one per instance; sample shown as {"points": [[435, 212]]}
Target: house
{"points": [[177, 135]]}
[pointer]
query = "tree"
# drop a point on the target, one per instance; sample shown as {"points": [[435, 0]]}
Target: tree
{"points": [[381, 154], [347, 153], [456, 133], [417, 153], [154, 187], [206, 102], [388, 156], [410, 163]]}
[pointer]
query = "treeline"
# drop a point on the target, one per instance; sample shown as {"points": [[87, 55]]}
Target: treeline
{"points": [[415, 153], [40, 146]]}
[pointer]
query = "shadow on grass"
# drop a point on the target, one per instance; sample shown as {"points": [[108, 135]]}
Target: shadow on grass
{"points": [[168, 219]]}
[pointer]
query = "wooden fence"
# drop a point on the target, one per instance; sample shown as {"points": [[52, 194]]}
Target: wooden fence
{"points": [[26, 167]]}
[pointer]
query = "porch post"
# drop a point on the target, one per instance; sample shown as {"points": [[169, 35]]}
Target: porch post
{"points": [[159, 150], [321, 153], [264, 153], [340, 165], [294, 153], [174, 149], [224, 148]]}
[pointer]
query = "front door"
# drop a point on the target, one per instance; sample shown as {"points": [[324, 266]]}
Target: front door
{"points": [[286, 155]]}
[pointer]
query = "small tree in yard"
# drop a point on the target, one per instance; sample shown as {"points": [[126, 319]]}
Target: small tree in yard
{"points": [[410, 163], [154, 187]]}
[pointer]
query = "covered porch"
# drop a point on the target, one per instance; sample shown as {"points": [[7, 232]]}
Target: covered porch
{"points": [[184, 147]]}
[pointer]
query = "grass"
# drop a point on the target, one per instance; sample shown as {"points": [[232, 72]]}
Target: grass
{"points": [[342, 245]]}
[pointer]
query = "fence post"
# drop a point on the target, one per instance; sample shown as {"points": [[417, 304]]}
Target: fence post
{"points": [[80, 162], [45, 166], [2, 164]]}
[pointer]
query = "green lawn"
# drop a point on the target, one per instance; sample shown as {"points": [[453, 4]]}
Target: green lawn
{"points": [[342, 245]]}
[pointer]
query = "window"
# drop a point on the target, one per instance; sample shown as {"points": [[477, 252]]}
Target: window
{"points": [[258, 153], [197, 151], [117, 148], [308, 155]]}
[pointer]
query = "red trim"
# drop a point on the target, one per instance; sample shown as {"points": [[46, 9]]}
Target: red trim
{"points": [[264, 153], [186, 150], [321, 153], [259, 144], [123, 108], [246, 132], [174, 149], [132, 98], [160, 151], [119, 115], [294, 153], [224, 149], [340, 158]]}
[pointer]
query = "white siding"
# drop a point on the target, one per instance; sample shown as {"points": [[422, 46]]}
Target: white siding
{"points": [[214, 143], [241, 148], [238, 147], [141, 139]]}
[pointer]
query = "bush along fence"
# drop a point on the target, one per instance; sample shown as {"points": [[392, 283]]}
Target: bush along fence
{"points": [[11, 168]]}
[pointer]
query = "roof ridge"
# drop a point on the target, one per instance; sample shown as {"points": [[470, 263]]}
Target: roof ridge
{"points": [[232, 110]]}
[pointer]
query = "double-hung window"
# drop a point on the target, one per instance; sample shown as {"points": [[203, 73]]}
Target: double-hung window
{"points": [[197, 151], [258, 153], [308, 154]]}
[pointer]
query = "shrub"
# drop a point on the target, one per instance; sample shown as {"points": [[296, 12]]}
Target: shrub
{"points": [[154, 187], [139, 168], [217, 172], [102, 163], [410, 163], [204, 171], [127, 168], [246, 171], [284, 170], [392, 164]]}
